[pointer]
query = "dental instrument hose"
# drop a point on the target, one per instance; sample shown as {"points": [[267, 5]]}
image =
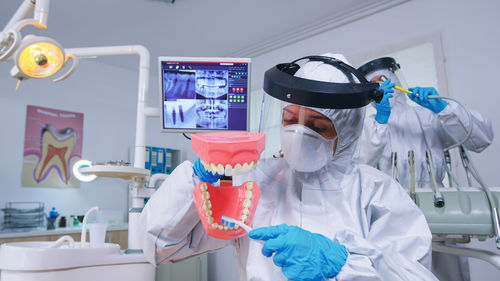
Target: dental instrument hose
{"points": [[447, 161], [494, 210], [412, 174], [465, 163], [469, 116], [452, 177], [473, 170], [438, 197], [394, 165]]}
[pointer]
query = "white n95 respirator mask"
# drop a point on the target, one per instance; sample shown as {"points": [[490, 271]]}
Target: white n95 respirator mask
{"points": [[304, 149]]}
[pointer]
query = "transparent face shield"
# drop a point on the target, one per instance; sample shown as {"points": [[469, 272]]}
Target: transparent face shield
{"points": [[396, 77], [300, 132], [299, 104]]}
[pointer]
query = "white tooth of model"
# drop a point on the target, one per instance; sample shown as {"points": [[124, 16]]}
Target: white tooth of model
{"points": [[245, 168], [237, 169], [229, 170], [220, 169], [213, 168]]}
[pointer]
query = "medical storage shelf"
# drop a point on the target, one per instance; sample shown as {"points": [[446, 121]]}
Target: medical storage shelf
{"points": [[21, 215]]}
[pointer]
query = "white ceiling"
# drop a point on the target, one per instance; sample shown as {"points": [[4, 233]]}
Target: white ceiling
{"points": [[194, 27]]}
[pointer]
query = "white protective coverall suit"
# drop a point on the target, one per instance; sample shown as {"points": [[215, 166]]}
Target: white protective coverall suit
{"points": [[419, 129], [409, 127], [385, 234]]}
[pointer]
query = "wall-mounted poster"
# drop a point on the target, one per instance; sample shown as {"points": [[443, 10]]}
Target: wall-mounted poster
{"points": [[52, 144]]}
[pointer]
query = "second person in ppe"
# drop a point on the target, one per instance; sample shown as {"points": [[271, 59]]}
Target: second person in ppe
{"points": [[433, 125], [397, 127]]}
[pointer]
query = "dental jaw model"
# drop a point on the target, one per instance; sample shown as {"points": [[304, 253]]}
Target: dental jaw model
{"points": [[232, 154]]}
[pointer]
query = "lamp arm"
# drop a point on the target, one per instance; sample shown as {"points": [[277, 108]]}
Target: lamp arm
{"points": [[23, 23], [23, 12], [144, 57], [134, 232], [20, 18], [41, 13]]}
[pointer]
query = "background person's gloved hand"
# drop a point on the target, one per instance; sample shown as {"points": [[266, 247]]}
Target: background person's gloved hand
{"points": [[435, 105], [203, 174], [384, 107], [302, 255]]}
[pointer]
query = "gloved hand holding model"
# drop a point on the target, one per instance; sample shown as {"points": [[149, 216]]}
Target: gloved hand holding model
{"points": [[421, 96], [302, 255], [203, 174], [384, 107]]}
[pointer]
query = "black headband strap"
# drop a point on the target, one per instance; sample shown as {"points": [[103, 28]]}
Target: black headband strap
{"points": [[281, 83]]}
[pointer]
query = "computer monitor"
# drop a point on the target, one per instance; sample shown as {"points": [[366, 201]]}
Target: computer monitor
{"points": [[204, 94]]}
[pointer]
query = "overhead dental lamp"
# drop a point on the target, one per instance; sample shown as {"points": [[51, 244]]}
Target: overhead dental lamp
{"points": [[37, 57], [33, 56]]}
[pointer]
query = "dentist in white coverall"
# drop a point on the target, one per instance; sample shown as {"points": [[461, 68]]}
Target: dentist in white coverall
{"points": [[433, 125], [322, 216]]}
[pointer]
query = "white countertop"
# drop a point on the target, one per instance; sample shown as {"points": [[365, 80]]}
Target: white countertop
{"points": [[15, 233]]}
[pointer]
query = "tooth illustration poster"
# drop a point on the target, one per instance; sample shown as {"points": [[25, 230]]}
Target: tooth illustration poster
{"points": [[52, 144]]}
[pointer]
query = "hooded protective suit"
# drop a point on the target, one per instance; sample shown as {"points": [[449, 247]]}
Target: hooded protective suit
{"points": [[419, 129], [385, 234]]}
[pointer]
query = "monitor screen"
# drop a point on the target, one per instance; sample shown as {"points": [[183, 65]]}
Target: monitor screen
{"points": [[204, 94]]}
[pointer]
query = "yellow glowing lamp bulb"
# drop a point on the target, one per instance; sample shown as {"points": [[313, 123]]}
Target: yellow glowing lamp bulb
{"points": [[40, 60]]}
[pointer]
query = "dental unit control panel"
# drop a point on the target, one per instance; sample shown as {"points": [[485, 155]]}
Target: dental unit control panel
{"points": [[204, 94]]}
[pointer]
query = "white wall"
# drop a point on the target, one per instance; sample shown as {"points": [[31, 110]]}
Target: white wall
{"points": [[107, 96], [470, 35]]}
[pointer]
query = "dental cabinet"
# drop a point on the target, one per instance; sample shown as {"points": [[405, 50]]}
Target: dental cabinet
{"points": [[193, 269], [114, 234]]}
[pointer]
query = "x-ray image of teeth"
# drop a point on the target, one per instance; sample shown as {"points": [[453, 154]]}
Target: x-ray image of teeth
{"points": [[212, 84], [178, 85], [211, 114], [179, 114]]}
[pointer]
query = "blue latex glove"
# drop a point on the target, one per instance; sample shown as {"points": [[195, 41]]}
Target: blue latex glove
{"points": [[203, 174], [302, 255], [384, 107], [435, 105]]}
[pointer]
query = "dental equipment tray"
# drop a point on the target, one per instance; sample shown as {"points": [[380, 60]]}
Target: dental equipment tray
{"points": [[465, 212]]}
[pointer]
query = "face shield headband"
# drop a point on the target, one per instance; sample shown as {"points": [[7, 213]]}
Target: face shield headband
{"points": [[378, 64], [280, 83]]}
